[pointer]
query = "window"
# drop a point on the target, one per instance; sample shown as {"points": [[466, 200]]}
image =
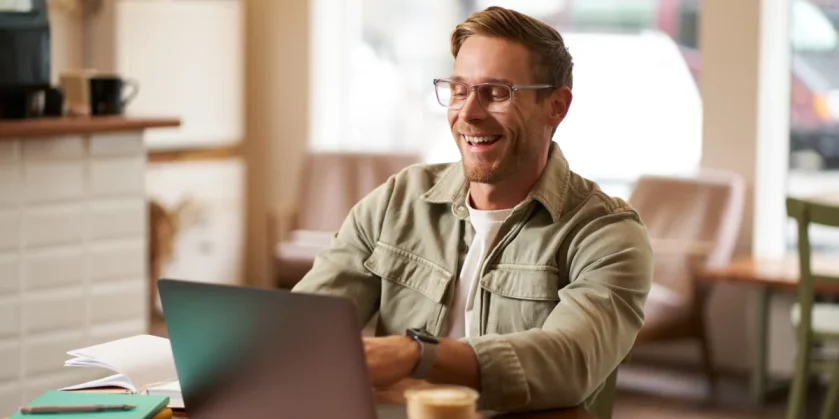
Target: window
{"points": [[15, 6], [814, 111], [636, 107]]}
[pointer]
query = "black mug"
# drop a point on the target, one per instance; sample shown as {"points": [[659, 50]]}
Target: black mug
{"points": [[106, 94], [21, 102], [53, 102]]}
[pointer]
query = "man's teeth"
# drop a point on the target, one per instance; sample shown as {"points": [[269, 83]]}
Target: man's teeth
{"points": [[478, 140]]}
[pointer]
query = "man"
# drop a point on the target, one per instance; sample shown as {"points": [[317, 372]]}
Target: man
{"points": [[505, 272]]}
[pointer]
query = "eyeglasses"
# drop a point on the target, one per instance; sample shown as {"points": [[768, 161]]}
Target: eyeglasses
{"points": [[494, 97]]}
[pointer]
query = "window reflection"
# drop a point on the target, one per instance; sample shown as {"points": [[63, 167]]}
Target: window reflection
{"points": [[17, 6]]}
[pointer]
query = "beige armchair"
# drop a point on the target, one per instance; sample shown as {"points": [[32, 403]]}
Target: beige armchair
{"points": [[691, 221], [331, 183]]}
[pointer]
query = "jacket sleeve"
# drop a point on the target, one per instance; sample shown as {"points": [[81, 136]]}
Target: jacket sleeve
{"points": [[588, 333], [339, 270]]}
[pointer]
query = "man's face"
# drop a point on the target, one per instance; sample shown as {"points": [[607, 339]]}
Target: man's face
{"points": [[494, 146]]}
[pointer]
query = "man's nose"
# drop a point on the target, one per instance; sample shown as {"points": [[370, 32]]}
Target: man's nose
{"points": [[472, 108]]}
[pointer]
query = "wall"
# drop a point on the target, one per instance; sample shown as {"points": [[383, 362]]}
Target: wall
{"points": [[190, 67], [276, 110], [66, 41], [276, 118]]}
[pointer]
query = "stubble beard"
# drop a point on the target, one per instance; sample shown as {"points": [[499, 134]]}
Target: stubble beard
{"points": [[494, 173]]}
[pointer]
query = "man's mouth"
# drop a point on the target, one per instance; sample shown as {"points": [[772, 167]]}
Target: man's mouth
{"points": [[481, 140]]}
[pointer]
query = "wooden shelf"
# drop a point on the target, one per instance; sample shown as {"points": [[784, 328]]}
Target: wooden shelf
{"points": [[48, 127], [198, 154]]}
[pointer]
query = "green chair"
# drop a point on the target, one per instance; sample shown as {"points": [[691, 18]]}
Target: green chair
{"points": [[814, 322]]}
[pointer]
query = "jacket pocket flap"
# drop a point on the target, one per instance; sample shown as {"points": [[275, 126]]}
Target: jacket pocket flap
{"points": [[523, 283], [409, 270]]}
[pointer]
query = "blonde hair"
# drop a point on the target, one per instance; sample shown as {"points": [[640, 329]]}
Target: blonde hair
{"points": [[552, 63]]}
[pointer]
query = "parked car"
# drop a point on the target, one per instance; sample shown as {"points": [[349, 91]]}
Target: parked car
{"points": [[814, 106], [830, 8], [628, 120]]}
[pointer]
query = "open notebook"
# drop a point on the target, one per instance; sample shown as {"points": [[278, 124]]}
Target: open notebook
{"points": [[142, 364]]}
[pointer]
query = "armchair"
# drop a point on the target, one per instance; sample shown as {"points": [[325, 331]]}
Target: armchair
{"points": [[330, 184], [692, 221]]}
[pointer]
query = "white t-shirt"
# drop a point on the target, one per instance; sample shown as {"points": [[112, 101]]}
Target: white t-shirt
{"points": [[486, 225]]}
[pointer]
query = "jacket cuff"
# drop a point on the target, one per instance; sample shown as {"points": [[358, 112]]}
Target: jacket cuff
{"points": [[503, 383]]}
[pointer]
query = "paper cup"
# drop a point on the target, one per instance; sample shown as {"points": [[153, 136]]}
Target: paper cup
{"points": [[441, 402]]}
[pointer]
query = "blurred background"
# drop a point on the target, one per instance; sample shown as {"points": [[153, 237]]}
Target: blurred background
{"points": [[291, 110]]}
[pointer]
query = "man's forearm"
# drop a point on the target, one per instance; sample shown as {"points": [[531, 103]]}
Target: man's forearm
{"points": [[456, 364]]}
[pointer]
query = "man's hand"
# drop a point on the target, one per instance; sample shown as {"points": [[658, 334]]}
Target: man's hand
{"points": [[390, 359]]}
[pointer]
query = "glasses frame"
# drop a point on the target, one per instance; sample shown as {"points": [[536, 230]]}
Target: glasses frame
{"points": [[472, 89]]}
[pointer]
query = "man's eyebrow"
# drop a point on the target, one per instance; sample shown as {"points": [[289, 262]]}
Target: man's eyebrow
{"points": [[489, 80], [504, 81]]}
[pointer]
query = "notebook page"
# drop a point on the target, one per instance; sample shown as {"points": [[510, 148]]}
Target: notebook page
{"points": [[143, 359], [86, 362], [116, 380]]}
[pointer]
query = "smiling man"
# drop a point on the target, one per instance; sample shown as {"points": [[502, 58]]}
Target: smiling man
{"points": [[506, 272]]}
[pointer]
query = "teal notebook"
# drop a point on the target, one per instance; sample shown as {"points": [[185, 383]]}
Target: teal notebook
{"points": [[146, 407]]}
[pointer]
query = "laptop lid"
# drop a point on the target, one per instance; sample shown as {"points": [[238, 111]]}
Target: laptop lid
{"points": [[249, 352]]}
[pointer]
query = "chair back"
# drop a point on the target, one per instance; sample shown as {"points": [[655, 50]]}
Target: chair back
{"points": [[603, 404], [704, 208], [331, 183], [805, 213]]}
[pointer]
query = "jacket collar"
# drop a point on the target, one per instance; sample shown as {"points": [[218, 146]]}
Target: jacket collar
{"points": [[550, 190]]}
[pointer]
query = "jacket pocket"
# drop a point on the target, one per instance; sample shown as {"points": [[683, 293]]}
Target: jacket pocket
{"points": [[519, 297], [413, 290]]}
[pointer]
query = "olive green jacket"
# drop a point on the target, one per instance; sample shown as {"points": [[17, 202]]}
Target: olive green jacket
{"points": [[561, 293]]}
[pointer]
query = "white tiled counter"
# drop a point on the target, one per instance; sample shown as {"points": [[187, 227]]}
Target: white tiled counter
{"points": [[72, 251]]}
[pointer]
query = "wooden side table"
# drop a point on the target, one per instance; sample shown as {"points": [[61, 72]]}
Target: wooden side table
{"points": [[768, 276]]}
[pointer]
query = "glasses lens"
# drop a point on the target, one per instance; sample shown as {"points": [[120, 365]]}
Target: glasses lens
{"points": [[495, 97], [451, 94]]}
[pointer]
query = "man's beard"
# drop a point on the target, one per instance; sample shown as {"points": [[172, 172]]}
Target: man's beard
{"points": [[492, 174]]}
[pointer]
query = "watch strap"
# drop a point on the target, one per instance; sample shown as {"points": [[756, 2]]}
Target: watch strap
{"points": [[428, 356]]}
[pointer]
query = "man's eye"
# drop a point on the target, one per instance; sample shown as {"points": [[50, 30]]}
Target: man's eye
{"points": [[500, 94], [459, 92]]}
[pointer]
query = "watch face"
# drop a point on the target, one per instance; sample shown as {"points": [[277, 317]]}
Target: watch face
{"points": [[422, 335]]}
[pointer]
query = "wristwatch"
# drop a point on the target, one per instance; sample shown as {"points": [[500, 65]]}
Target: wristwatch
{"points": [[428, 352]]}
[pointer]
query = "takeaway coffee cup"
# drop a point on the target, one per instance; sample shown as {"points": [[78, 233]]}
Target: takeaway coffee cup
{"points": [[441, 402]]}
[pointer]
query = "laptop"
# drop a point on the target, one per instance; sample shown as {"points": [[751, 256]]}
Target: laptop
{"points": [[259, 353]]}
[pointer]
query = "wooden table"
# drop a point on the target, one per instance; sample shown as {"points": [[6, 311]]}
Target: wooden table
{"points": [[775, 274], [578, 413], [395, 396], [768, 276], [386, 397]]}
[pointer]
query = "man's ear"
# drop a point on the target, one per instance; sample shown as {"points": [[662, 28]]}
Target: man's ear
{"points": [[558, 104]]}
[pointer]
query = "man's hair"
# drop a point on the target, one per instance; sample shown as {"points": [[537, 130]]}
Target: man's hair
{"points": [[552, 64]]}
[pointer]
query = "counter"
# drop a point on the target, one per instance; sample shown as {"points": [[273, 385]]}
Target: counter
{"points": [[73, 245]]}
